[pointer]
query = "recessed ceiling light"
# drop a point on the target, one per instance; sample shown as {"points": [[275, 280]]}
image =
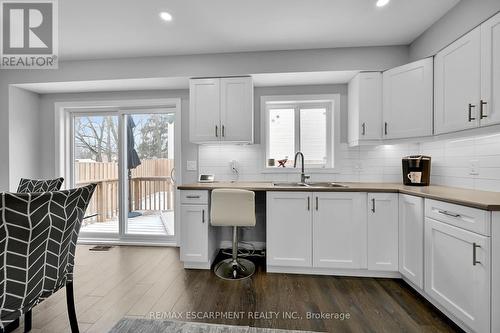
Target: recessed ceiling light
{"points": [[165, 16], [382, 3]]}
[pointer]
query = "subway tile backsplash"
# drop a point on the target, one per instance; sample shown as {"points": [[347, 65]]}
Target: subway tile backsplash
{"points": [[368, 163], [472, 162]]}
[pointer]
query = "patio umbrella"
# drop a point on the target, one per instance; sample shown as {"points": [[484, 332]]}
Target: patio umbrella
{"points": [[133, 161]]}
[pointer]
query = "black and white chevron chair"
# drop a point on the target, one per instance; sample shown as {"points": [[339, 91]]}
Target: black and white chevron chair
{"points": [[39, 185], [38, 234]]}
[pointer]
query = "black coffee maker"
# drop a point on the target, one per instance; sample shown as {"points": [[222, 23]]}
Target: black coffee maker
{"points": [[417, 170]]}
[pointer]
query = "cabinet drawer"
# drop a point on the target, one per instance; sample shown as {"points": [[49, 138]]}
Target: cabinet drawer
{"points": [[472, 219], [194, 197]]}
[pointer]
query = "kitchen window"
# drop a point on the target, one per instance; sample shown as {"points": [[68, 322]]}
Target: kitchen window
{"points": [[298, 125]]}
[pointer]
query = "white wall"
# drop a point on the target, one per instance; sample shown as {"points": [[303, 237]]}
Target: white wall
{"points": [[362, 58], [24, 122], [47, 123], [462, 18]]}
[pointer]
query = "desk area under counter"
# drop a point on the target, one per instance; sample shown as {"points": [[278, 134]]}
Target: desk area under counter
{"points": [[369, 229]]}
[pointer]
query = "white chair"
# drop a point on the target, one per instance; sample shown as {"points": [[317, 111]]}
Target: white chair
{"points": [[235, 208]]}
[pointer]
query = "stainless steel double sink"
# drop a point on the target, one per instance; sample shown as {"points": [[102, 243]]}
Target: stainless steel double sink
{"points": [[312, 184]]}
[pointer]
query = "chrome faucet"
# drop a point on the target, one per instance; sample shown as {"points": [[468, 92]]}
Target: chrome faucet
{"points": [[303, 176]]}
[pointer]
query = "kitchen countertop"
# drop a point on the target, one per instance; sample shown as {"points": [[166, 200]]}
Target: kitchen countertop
{"points": [[471, 198]]}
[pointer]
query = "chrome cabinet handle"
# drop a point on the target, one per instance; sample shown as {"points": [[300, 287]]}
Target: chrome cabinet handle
{"points": [[385, 128], [317, 203], [470, 112], [481, 110], [373, 205], [363, 129], [308, 203], [192, 196], [202, 216], [474, 254], [216, 131], [445, 212], [223, 131]]}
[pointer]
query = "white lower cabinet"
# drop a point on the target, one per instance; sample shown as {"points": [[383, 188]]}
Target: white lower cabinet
{"points": [[457, 272], [382, 231], [289, 229], [339, 230], [194, 233], [321, 230], [411, 239]]}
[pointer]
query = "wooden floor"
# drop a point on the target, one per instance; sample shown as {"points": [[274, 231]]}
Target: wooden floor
{"points": [[148, 281]]}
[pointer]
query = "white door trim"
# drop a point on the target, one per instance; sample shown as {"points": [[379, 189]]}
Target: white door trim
{"points": [[63, 149]]}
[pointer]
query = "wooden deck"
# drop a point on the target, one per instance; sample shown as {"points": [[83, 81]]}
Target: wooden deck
{"points": [[147, 224]]}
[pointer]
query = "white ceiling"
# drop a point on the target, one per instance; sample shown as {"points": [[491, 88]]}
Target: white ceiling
{"points": [[91, 29], [172, 83]]}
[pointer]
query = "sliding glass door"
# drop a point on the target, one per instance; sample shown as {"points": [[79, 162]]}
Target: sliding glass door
{"points": [[149, 150], [130, 155], [95, 160]]}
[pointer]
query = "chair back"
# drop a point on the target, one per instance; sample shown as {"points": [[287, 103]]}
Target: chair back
{"points": [[39, 185], [38, 234], [232, 207]]}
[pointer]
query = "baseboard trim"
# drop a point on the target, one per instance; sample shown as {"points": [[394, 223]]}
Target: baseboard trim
{"points": [[332, 271]]}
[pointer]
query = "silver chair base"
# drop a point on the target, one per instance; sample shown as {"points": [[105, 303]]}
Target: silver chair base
{"points": [[231, 269]]}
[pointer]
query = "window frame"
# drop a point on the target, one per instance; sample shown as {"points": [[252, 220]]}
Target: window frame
{"points": [[297, 102]]}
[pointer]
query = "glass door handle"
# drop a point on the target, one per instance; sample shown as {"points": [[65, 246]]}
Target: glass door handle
{"points": [[172, 175]]}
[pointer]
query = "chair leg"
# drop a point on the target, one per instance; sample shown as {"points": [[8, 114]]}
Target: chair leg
{"points": [[27, 321], [12, 326], [70, 300], [235, 243]]}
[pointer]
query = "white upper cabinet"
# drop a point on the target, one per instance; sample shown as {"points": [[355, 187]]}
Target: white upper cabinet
{"points": [[489, 107], [457, 84], [237, 109], [204, 110], [365, 107], [221, 109], [339, 230], [407, 100], [383, 231]]}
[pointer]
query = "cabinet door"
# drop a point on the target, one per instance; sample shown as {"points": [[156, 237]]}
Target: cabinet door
{"points": [[457, 272], [408, 99], [411, 238], [339, 230], [383, 231], [289, 229], [204, 110], [490, 72], [365, 107], [237, 109], [194, 233], [457, 84]]}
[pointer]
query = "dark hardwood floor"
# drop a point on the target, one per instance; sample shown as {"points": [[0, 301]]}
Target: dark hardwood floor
{"points": [[149, 282]]}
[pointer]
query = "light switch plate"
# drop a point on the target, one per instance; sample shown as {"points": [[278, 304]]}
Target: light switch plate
{"points": [[191, 165]]}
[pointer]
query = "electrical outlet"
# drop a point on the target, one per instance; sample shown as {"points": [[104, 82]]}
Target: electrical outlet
{"points": [[233, 165], [191, 165], [474, 168]]}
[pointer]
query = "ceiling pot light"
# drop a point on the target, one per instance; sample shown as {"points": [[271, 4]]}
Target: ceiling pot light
{"points": [[382, 3], [165, 16]]}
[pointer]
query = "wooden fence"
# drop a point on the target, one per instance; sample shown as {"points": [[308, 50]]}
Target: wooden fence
{"points": [[150, 187]]}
